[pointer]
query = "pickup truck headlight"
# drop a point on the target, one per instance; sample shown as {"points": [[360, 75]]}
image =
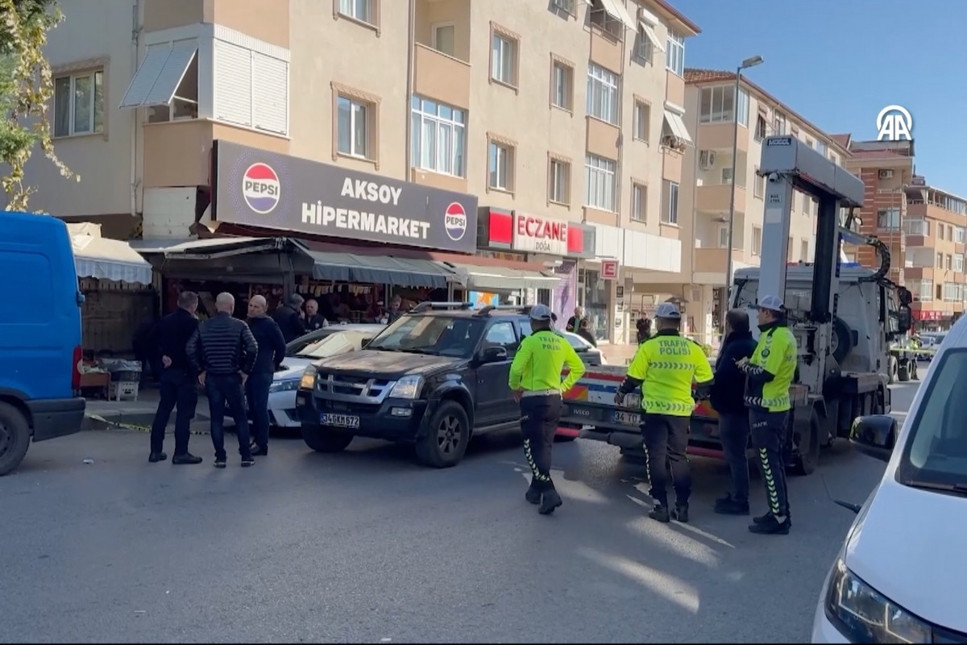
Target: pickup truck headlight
{"points": [[284, 386], [863, 615], [407, 387], [308, 380]]}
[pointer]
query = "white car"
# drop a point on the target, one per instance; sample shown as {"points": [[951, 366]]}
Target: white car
{"points": [[322, 343], [900, 574]]}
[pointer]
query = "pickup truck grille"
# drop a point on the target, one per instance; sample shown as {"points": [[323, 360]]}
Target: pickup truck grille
{"points": [[353, 388]]}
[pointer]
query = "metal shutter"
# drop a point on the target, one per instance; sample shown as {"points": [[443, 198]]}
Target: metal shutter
{"points": [[233, 83], [271, 99]]}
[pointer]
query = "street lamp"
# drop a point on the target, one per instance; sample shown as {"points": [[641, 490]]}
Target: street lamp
{"points": [[747, 63]]}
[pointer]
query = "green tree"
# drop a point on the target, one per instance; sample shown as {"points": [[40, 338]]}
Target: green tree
{"points": [[26, 87]]}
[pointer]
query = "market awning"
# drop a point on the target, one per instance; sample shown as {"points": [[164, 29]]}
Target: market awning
{"points": [[209, 248], [106, 259], [499, 279], [378, 269]]}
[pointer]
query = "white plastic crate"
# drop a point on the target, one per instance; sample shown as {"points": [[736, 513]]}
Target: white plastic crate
{"points": [[123, 390]]}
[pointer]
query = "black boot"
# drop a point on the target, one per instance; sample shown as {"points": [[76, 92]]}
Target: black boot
{"points": [[660, 513], [155, 457], [728, 506], [550, 499], [680, 513], [770, 525], [759, 519], [533, 494]]}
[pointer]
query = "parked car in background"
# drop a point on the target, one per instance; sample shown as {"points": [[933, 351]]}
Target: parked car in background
{"points": [[590, 354], [321, 343]]}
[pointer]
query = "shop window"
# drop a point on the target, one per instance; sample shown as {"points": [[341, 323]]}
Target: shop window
{"points": [[596, 295]]}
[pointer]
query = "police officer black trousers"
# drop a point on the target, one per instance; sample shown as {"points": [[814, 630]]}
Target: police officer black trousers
{"points": [[666, 438], [769, 438], [539, 424]]}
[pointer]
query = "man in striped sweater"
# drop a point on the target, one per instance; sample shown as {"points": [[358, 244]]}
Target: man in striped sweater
{"points": [[223, 352]]}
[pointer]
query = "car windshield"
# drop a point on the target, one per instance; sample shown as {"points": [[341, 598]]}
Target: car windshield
{"points": [[440, 335], [293, 347], [935, 454], [340, 342]]}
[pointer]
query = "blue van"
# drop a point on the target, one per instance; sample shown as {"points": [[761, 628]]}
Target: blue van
{"points": [[40, 335]]}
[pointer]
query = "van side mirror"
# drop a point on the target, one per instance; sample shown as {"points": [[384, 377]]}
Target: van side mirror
{"points": [[904, 319], [493, 354], [874, 435]]}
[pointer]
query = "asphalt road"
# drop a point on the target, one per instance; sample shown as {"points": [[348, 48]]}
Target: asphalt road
{"points": [[367, 546]]}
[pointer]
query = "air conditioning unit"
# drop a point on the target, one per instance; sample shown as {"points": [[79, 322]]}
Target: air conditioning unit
{"points": [[706, 159], [886, 174]]}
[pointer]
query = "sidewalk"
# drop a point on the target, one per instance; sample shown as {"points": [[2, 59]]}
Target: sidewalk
{"points": [[138, 415], [618, 354]]}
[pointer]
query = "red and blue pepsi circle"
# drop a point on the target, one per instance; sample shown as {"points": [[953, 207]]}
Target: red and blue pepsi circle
{"points": [[455, 221], [261, 188]]}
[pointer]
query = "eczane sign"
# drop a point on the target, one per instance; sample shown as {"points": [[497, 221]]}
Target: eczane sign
{"points": [[540, 235]]}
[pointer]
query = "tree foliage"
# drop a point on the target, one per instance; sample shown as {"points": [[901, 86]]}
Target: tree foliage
{"points": [[26, 88]]}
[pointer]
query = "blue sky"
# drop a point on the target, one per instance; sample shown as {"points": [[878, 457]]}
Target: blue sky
{"points": [[838, 62]]}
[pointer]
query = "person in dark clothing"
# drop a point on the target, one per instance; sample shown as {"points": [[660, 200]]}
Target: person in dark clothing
{"points": [[223, 352], [644, 329], [727, 399], [314, 319], [584, 331], [271, 353], [574, 322], [289, 318], [176, 381]]}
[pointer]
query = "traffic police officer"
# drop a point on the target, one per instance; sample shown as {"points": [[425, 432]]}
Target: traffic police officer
{"points": [[665, 366], [770, 372], [535, 378]]}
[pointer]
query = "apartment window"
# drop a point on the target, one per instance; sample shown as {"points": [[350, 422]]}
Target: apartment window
{"points": [[759, 188], [564, 5], [952, 292], [822, 147], [917, 227], [807, 203], [723, 237], [639, 203], [950, 262], [760, 128], [503, 60], [888, 218], [354, 127], [834, 158], [251, 88], [922, 290], [669, 202], [361, 10], [779, 124], [79, 104], [959, 262], [675, 53], [562, 85], [443, 38], [439, 137], [501, 166], [790, 247], [810, 142], [602, 94], [940, 260], [600, 180], [727, 175], [941, 229], [642, 120], [756, 240], [559, 188], [804, 251], [958, 235], [717, 105]]}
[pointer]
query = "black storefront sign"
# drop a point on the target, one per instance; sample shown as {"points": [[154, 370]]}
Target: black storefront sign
{"points": [[255, 187]]}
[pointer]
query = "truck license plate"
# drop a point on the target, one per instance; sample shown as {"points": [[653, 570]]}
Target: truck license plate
{"points": [[626, 418], [340, 420]]}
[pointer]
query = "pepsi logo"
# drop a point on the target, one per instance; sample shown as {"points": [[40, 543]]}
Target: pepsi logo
{"points": [[261, 188], [455, 221]]}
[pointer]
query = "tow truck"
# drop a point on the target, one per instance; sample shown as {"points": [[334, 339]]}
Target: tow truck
{"points": [[844, 318]]}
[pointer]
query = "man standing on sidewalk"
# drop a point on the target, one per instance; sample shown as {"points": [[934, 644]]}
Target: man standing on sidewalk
{"points": [[223, 352], [728, 400], [176, 381], [771, 371], [271, 352]]}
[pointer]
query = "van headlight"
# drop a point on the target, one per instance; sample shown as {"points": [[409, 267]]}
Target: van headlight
{"points": [[284, 386], [863, 615], [407, 387], [308, 380]]}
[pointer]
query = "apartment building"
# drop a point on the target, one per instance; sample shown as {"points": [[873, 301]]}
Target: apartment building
{"points": [[714, 115], [555, 130]]}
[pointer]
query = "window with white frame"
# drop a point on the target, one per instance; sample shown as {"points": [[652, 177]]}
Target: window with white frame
{"points": [[952, 292], [353, 126], [759, 188], [79, 103], [727, 175], [501, 166], [639, 203], [723, 237], [959, 262], [779, 124], [669, 202], [361, 10], [716, 105], [438, 136], [642, 121], [790, 248], [443, 38], [756, 240], [822, 147], [922, 289], [917, 227], [644, 48], [602, 94], [888, 218], [804, 251], [600, 174], [959, 235], [950, 262], [559, 186], [564, 5], [939, 260], [810, 142], [503, 59], [251, 87], [562, 85], [675, 53]]}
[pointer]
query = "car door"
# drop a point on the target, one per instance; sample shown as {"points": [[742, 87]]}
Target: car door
{"points": [[495, 401]]}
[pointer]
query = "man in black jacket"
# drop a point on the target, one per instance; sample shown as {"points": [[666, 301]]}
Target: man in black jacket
{"points": [[728, 400], [223, 352], [270, 355], [289, 318], [176, 381]]}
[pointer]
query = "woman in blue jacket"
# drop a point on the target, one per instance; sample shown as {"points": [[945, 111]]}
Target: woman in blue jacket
{"points": [[727, 395]]}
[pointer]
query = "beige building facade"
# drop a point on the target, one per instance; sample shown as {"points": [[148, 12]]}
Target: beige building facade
{"points": [[714, 115], [565, 119]]}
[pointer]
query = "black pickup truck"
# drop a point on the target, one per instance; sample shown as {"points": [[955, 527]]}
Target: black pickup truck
{"points": [[434, 378]]}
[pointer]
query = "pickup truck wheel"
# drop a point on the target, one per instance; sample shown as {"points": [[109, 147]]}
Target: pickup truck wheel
{"points": [[806, 449], [447, 437], [322, 439], [903, 372], [14, 437], [891, 366]]}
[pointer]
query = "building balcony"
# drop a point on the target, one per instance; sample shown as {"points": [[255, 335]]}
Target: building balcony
{"points": [[715, 260], [441, 77], [718, 137], [714, 198], [918, 273]]}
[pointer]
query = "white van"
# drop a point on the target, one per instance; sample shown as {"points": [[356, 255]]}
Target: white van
{"points": [[899, 576]]}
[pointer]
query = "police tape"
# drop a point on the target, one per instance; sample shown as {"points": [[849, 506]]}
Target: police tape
{"points": [[909, 350], [134, 426]]}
